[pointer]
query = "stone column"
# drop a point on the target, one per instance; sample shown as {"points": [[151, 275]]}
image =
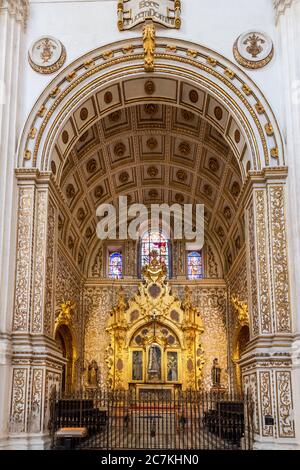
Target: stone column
{"points": [[13, 14], [36, 361], [267, 363]]}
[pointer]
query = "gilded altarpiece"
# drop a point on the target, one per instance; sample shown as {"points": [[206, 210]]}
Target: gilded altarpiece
{"points": [[157, 324]]}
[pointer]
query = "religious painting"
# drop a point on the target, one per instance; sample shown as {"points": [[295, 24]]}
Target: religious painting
{"points": [[137, 365], [172, 367], [154, 363]]}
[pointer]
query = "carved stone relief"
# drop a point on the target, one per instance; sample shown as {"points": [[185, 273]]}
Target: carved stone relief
{"points": [[279, 260], [19, 400], [262, 261], [266, 402], [36, 401], [285, 418], [253, 273], [24, 259], [49, 295], [39, 262], [251, 389]]}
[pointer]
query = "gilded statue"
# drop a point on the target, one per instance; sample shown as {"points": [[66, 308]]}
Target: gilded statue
{"points": [[93, 374], [216, 373], [149, 46], [187, 306], [156, 270], [120, 309], [241, 309], [66, 312]]}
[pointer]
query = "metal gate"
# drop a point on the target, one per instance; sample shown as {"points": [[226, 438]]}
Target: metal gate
{"points": [[155, 420]]}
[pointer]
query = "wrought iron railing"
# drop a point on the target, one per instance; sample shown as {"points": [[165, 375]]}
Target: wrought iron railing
{"points": [[130, 420]]}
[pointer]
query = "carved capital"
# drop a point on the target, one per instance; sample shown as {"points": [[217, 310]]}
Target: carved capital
{"points": [[17, 8]]}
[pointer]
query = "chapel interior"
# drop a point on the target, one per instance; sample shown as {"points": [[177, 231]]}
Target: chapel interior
{"points": [[152, 153]]}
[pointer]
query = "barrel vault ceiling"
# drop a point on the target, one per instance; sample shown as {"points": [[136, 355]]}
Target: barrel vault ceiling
{"points": [[153, 153]]}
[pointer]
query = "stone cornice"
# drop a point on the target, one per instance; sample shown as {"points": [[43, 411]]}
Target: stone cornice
{"points": [[280, 6], [17, 8]]}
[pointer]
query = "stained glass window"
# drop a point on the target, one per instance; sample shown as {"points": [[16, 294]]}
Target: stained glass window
{"points": [[154, 242], [115, 268], [195, 267]]}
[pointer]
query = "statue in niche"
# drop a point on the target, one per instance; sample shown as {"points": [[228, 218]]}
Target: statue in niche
{"points": [[189, 310], [216, 374], [154, 364], [172, 367], [93, 374], [120, 309], [97, 266]]}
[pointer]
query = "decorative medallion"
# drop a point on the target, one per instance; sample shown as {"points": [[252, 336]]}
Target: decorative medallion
{"points": [[88, 232], [153, 193], [154, 291], [124, 177], [237, 136], [84, 114], [47, 55], [115, 116], [65, 137], [149, 87], [213, 165], [80, 214], [218, 112], [235, 189], [53, 167], [152, 143], [152, 171], [70, 191], [194, 96], [119, 149], [207, 189], [151, 109], [60, 223], [253, 50], [98, 192], [187, 115], [108, 97], [184, 148], [221, 232], [227, 213], [70, 243], [84, 137], [179, 198], [181, 175], [91, 166]]}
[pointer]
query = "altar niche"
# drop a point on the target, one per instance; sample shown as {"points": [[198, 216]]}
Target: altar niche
{"points": [[155, 339], [155, 362]]}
